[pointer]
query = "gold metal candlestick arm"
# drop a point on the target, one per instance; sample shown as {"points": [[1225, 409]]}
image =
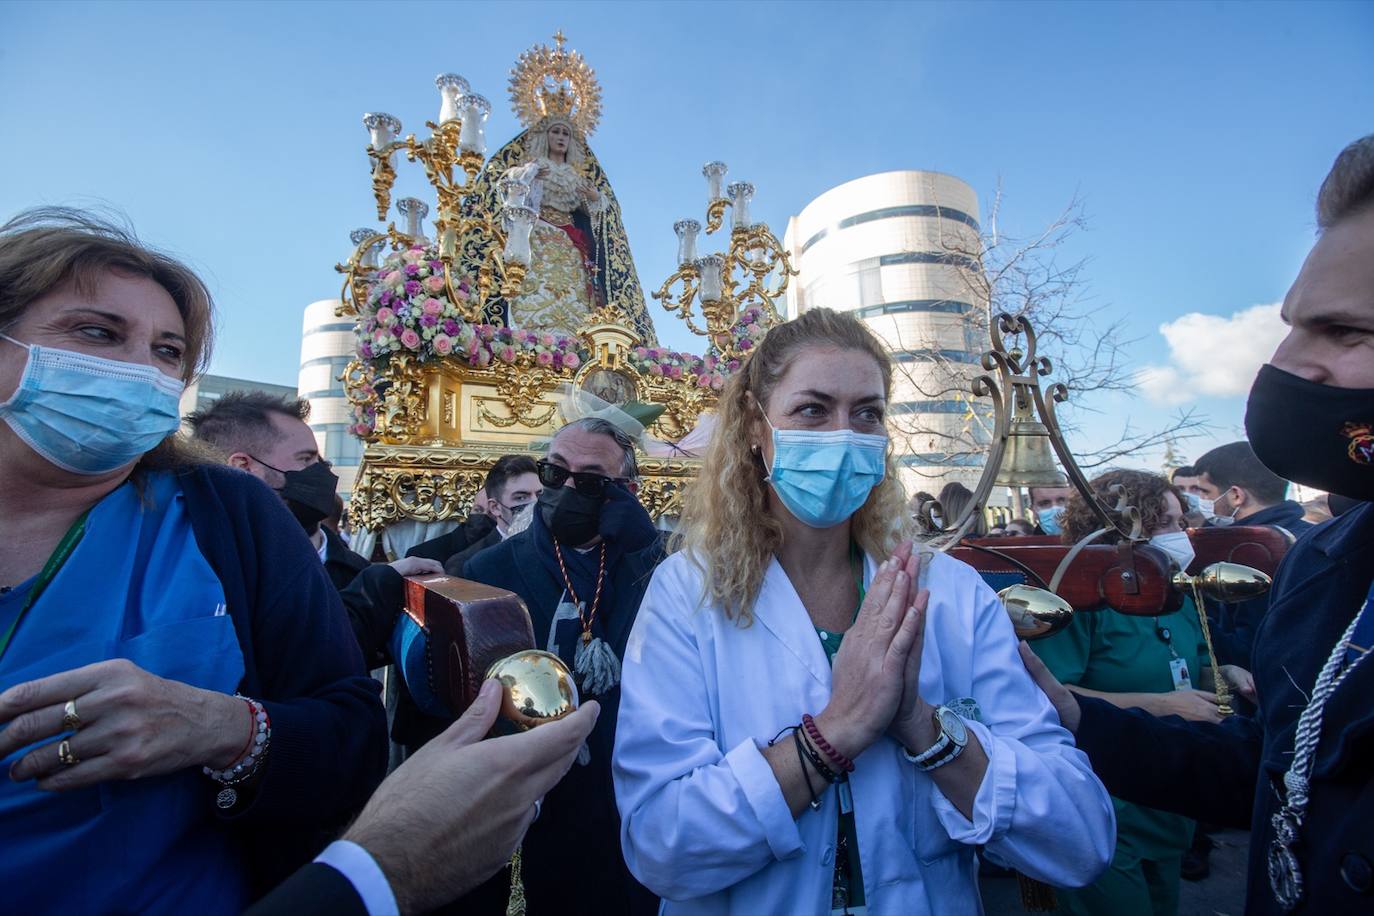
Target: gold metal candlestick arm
{"points": [[715, 214]]}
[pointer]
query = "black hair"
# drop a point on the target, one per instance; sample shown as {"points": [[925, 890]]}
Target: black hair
{"points": [[240, 421], [1235, 465], [501, 473]]}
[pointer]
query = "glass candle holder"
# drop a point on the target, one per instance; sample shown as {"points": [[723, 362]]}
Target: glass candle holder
{"points": [[714, 172], [709, 269], [472, 138], [686, 230], [382, 127], [741, 193], [513, 193], [357, 237], [452, 88], [415, 211], [518, 222]]}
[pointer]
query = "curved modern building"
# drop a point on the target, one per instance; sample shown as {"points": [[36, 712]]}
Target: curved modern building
{"points": [[900, 250], [327, 345]]}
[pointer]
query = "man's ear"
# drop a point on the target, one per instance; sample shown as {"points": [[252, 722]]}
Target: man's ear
{"points": [[1238, 497], [239, 460]]}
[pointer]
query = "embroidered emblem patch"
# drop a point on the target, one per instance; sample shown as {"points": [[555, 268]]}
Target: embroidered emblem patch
{"points": [[1361, 436]]}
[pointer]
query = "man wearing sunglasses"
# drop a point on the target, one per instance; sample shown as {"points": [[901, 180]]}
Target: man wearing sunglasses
{"points": [[512, 485], [581, 568]]}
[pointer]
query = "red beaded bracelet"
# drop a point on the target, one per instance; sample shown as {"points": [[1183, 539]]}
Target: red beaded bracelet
{"points": [[840, 760]]}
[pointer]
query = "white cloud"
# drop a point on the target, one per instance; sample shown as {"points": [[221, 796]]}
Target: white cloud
{"points": [[1213, 355]]}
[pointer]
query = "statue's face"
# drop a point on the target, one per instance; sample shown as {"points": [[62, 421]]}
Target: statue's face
{"points": [[560, 136]]}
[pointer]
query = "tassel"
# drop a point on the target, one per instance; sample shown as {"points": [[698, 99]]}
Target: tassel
{"points": [[596, 666], [1036, 896], [584, 754]]}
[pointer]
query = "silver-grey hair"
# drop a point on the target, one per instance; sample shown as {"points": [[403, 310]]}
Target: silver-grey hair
{"points": [[630, 467]]}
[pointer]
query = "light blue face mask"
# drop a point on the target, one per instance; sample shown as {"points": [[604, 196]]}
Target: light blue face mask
{"points": [[89, 415], [1050, 520], [824, 477]]}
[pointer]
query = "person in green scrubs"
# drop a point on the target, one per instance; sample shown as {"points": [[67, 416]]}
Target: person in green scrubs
{"points": [[1155, 663]]}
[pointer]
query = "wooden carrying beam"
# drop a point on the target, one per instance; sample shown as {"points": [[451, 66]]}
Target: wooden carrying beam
{"points": [[470, 627], [1133, 579]]}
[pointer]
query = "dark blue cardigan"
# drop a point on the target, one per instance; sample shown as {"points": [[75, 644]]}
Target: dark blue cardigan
{"points": [[329, 743]]}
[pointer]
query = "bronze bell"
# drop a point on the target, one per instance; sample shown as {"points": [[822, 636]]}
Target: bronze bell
{"points": [[537, 688], [1226, 582], [1035, 612], [1028, 460]]}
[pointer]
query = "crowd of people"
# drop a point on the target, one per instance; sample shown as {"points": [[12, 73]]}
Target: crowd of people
{"points": [[791, 704]]}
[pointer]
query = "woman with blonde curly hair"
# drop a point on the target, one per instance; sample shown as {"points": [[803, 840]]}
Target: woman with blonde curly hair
{"points": [[815, 717]]}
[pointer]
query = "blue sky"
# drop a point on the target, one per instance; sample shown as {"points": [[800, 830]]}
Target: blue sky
{"points": [[1196, 134]]}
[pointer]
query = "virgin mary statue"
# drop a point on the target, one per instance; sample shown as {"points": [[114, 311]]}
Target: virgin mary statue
{"points": [[581, 258]]}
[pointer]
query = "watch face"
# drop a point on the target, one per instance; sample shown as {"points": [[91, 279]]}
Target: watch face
{"points": [[953, 726]]}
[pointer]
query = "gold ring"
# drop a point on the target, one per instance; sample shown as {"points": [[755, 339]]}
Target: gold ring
{"points": [[70, 720], [65, 755]]}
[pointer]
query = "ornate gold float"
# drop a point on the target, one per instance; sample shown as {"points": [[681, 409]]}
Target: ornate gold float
{"points": [[449, 373]]}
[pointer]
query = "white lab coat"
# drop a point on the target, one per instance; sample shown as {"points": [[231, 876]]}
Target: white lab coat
{"points": [[703, 821]]}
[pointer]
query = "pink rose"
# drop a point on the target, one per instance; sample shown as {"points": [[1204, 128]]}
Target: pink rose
{"points": [[385, 316], [410, 339], [380, 336], [484, 357], [570, 361], [546, 339], [655, 370], [674, 372], [443, 344], [544, 358], [703, 381], [506, 354], [434, 284], [641, 353], [433, 307]]}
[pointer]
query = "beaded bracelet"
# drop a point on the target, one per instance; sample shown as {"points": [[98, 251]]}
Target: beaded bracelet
{"points": [[817, 761], [841, 762], [246, 767]]}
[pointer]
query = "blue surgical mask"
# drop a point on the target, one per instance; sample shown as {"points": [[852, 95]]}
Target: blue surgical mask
{"points": [[1177, 545], [1050, 520], [824, 477], [89, 415], [1204, 506]]}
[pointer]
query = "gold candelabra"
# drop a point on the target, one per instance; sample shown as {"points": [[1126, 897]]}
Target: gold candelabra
{"points": [[753, 271]]}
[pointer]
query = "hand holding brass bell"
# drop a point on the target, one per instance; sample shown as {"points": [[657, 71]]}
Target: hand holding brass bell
{"points": [[538, 688], [1035, 612], [1226, 582]]}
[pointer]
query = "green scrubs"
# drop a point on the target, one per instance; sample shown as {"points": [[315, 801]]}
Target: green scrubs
{"points": [[1113, 653]]}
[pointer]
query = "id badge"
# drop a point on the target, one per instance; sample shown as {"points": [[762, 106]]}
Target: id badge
{"points": [[1179, 668]]}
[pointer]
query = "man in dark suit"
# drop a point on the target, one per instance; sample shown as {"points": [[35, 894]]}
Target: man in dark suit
{"points": [[512, 486], [581, 568], [1300, 773]]}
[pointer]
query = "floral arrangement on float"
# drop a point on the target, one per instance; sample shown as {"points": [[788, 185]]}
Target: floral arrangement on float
{"points": [[410, 308]]}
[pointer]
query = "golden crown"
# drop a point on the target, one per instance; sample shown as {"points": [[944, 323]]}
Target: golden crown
{"points": [[554, 82]]}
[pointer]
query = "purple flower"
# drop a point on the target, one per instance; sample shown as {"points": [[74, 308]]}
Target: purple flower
{"points": [[428, 321], [436, 266], [745, 344], [412, 269], [386, 297], [450, 327], [412, 287]]}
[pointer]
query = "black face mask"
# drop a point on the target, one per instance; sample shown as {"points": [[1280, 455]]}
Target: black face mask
{"points": [[1316, 435], [571, 518], [309, 494]]}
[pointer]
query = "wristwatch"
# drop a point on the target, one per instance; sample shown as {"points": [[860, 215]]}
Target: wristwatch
{"points": [[953, 738]]}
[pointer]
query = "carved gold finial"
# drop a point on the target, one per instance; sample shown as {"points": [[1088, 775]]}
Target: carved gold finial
{"points": [[555, 82]]}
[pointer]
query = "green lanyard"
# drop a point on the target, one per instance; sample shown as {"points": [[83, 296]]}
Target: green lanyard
{"points": [[55, 562], [831, 641]]}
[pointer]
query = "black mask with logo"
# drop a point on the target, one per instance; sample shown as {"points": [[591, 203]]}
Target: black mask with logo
{"points": [[309, 494], [572, 518], [1316, 435]]}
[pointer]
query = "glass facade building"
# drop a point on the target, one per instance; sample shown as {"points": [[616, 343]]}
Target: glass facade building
{"points": [[900, 250]]}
